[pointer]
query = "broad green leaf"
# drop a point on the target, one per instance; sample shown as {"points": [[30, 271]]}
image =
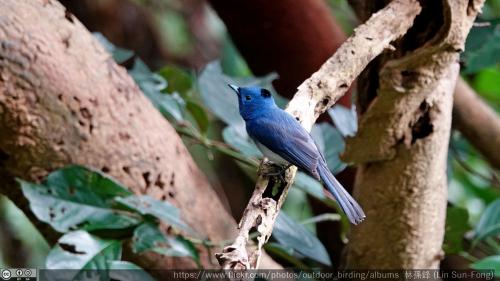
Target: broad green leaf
{"points": [[81, 251], [199, 115], [152, 86], [489, 224], [178, 80], [119, 55], [219, 98], [482, 47], [488, 263], [293, 235], [285, 253], [345, 119], [485, 82], [241, 141], [77, 197], [148, 237], [161, 210], [456, 227], [127, 271], [331, 144]]}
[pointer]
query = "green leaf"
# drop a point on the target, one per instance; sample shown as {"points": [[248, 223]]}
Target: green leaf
{"points": [[293, 235], [152, 85], [485, 82], [178, 80], [232, 63], [199, 115], [219, 98], [345, 119], [127, 271], [489, 224], [148, 237], [79, 250], [482, 47], [488, 263], [456, 227], [331, 144], [74, 197], [161, 210], [119, 55]]}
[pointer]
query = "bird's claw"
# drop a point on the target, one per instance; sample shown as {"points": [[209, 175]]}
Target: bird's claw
{"points": [[279, 173]]}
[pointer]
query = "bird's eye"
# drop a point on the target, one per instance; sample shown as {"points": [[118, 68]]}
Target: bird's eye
{"points": [[265, 93], [248, 97]]}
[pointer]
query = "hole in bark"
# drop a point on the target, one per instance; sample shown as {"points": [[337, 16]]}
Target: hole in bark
{"points": [[68, 15], [171, 194], [71, 248], [81, 123], [297, 118], [343, 85], [124, 136], [172, 180], [145, 176], [319, 85], [105, 169], [85, 113], [163, 197], [159, 182], [91, 128], [126, 169], [369, 38], [60, 97], [424, 30], [65, 42], [423, 127], [325, 101]]}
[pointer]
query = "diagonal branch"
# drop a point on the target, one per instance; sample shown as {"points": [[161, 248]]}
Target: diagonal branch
{"points": [[314, 96]]}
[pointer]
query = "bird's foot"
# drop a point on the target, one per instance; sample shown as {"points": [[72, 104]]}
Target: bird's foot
{"points": [[279, 172]]}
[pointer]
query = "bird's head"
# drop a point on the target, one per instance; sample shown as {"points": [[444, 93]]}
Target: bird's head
{"points": [[253, 100]]}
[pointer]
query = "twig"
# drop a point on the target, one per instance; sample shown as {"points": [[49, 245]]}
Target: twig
{"points": [[314, 96]]}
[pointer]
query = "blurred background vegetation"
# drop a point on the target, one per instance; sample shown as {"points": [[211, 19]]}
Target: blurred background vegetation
{"points": [[181, 56]]}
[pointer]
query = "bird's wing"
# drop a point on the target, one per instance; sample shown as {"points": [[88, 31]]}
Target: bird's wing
{"points": [[283, 135]]}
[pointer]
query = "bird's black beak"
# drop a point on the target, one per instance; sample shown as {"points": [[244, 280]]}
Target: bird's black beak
{"points": [[235, 88]]}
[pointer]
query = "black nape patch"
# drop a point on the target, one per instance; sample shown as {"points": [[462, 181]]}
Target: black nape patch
{"points": [[265, 93]]}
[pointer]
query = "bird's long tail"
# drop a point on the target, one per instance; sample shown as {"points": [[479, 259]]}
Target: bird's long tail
{"points": [[350, 207]]}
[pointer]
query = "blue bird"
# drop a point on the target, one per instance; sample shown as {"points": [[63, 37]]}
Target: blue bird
{"points": [[283, 141]]}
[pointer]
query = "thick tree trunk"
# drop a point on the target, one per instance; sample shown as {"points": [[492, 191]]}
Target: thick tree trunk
{"points": [[63, 100], [402, 143]]}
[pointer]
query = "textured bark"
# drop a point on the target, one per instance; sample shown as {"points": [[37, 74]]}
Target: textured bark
{"points": [[402, 144], [314, 96], [63, 100], [478, 122]]}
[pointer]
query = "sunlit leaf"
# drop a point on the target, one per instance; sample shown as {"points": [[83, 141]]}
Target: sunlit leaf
{"points": [[77, 197], [456, 227], [489, 224], [81, 251], [199, 115], [119, 55], [482, 47], [178, 80], [161, 210], [331, 144], [488, 263], [293, 235], [148, 237], [345, 119], [127, 271], [152, 86]]}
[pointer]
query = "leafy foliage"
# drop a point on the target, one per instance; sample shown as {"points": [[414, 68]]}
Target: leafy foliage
{"points": [[76, 200]]}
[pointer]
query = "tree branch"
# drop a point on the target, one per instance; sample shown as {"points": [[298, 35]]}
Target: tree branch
{"points": [[314, 96], [478, 122], [402, 144]]}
